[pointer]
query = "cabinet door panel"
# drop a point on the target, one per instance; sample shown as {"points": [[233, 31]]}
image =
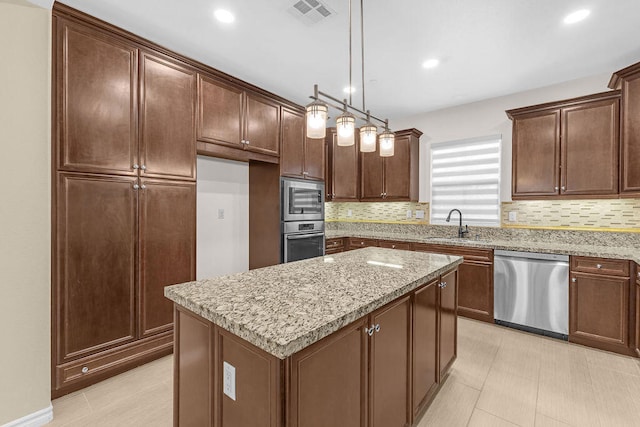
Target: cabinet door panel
{"points": [[293, 136], [168, 147], [167, 248], [219, 113], [371, 176], [95, 283], [630, 159], [536, 154], [262, 123], [389, 366], [590, 148], [475, 290], [329, 381], [599, 309], [397, 176], [448, 321], [314, 158], [344, 170], [96, 101], [425, 345]]}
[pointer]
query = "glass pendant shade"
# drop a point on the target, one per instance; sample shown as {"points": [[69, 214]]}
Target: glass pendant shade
{"points": [[368, 135], [317, 119], [345, 128], [387, 143]]}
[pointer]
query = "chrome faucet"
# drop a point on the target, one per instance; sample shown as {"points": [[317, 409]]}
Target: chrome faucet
{"points": [[461, 231]]}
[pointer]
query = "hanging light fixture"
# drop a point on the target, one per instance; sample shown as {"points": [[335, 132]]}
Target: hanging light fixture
{"points": [[387, 142], [368, 136], [345, 123], [317, 117]]}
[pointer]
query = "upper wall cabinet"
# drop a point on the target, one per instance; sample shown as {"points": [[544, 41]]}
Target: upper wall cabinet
{"points": [[628, 80], [343, 169], [392, 178], [301, 157], [233, 117], [566, 149], [96, 106]]}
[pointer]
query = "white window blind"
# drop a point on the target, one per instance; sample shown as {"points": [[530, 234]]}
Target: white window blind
{"points": [[465, 175]]}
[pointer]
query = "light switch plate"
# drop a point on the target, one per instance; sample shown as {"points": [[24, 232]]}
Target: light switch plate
{"points": [[513, 216], [220, 213], [229, 380], [420, 214]]}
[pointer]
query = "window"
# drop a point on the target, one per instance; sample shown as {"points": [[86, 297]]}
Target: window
{"points": [[465, 175]]}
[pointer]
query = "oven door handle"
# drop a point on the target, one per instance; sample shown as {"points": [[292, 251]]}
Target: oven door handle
{"points": [[302, 236]]}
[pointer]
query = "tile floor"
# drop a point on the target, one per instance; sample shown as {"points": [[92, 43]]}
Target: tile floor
{"points": [[502, 377]]}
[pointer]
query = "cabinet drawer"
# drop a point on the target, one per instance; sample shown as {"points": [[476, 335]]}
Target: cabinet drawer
{"points": [[356, 242], [334, 243], [611, 267], [469, 254], [393, 244]]}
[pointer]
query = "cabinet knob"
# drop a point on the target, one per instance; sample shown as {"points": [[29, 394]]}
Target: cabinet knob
{"points": [[370, 330], [555, 188], [598, 266], [305, 173], [136, 166], [393, 246], [361, 243], [377, 327], [143, 167], [136, 186], [563, 188], [143, 186], [85, 369], [573, 279], [247, 142]]}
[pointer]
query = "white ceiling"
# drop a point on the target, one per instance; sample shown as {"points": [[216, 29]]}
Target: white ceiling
{"points": [[487, 48]]}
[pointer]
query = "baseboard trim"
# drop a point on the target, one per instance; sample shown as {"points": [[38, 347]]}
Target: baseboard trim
{"points": [[36, 419]]}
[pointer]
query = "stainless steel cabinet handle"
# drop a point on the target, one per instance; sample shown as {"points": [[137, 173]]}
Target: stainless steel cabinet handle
{"points": [[136, 186], [143, 167], [598, 265], [370, 331], [85, 369], [136, 166], [573, 279], [377, 327]]}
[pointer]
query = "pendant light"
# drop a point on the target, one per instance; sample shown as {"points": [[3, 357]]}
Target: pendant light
{"points": [[346, 127], [387, 142], [317, 117], [368, 135]]}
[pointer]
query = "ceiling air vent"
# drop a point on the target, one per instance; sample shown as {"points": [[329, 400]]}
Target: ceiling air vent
{"points": [[311, 11]]}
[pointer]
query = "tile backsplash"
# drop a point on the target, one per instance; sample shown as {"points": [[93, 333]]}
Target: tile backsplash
{"points": [[613, 214]]}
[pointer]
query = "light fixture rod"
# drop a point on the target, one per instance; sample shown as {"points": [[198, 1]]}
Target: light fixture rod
{"points": [[350, 56], [362, 48], [339, 105]]}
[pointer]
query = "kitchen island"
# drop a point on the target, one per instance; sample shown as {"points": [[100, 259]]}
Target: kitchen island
{"points": [[362, 338]]}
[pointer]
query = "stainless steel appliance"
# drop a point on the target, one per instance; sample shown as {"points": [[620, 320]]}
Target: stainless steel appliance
{"points": [[531, 292], [302, 200], [302, 219]]}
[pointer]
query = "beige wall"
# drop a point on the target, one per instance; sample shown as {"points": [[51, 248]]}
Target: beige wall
{"points": [[25, 167], [488, 117]]}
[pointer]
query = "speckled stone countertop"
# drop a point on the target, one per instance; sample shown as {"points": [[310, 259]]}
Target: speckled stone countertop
{"points": [[287, 307], [553, 247]]}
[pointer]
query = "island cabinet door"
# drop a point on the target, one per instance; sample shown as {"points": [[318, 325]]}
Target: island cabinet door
{"points": [[329, 380], [389, 371], [425, 345], [448, 320]]}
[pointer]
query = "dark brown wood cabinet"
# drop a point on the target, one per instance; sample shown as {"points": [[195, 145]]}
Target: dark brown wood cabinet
{"points": [[392, 178], [358, 242], [475, 279], [333, 246], [237, 118], [637, 312], [426, 375], [566, 149], [599, 303], [123, 195], [300, 157], [394, 244], [343, 169], [628, 80]]}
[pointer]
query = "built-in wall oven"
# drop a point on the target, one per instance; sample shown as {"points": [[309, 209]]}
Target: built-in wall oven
{"points": [[302, 219]]}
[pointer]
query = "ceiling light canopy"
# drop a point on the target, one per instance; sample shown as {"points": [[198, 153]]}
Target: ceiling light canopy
{"points": [[224, 16], [431, 63], [349, 89], [577, 16]]}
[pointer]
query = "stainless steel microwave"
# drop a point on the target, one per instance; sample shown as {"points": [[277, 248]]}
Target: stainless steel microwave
{"points": [[302, 200]]}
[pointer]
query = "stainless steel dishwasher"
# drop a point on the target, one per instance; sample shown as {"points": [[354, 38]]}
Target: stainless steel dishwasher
{"points": [[531, 292]]}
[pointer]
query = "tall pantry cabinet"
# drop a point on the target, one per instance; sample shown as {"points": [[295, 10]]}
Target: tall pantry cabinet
{"points": [[123, 200]]}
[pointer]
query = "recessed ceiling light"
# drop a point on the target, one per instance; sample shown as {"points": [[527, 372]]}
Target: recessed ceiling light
{"points": [[431, 63], [349, 89], [224, 16], [576, 16]]}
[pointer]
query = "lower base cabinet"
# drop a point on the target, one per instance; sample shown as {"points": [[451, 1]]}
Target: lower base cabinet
{"points": [[637, 335], [380, 371]]}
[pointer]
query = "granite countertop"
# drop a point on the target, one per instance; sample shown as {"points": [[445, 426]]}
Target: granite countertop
{"points": [[287, 307], [586, 249]]}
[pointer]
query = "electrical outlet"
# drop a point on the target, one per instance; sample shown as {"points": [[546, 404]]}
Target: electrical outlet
{"points": [[513, 216], [419, 214], [220, 213], [409, 214], [349, 212], [229, 380]]}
